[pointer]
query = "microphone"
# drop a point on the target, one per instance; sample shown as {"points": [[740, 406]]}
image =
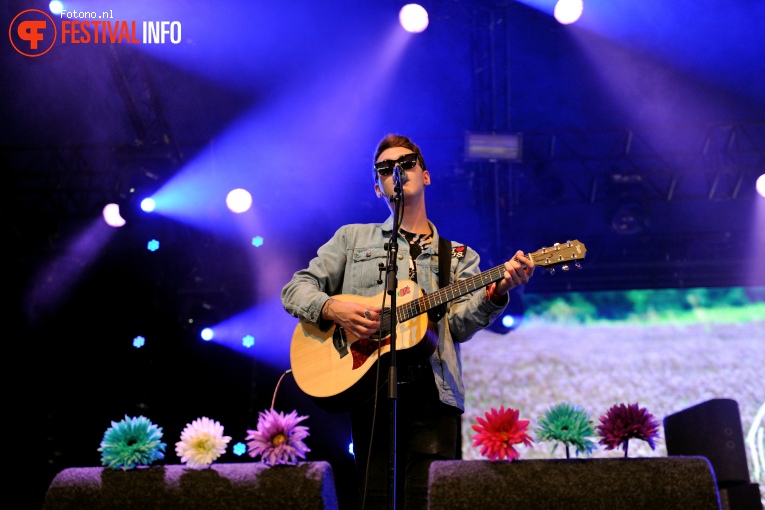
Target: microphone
{"points": [[400, 177]]}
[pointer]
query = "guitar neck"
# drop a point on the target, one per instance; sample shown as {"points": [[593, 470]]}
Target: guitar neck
{"points": [[558, 254], [449, 293]]}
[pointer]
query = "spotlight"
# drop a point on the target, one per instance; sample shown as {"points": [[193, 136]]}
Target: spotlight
{"points": [[56, 7], [761, 185], [513, 315], [508, 321], [414, 18], [505, 323], [148, 204], [568, 11], [239, 200], [136, 191], [111, 215], [201, 316]]}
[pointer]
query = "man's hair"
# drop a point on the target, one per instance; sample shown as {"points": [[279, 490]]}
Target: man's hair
{"points": [[393, 140]]}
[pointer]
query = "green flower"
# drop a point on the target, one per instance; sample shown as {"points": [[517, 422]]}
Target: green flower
{"points": [[568, 424], [131, 442]]}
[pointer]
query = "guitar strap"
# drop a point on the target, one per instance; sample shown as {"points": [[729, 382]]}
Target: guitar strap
{"points": [[444, 260], [444, 267]]}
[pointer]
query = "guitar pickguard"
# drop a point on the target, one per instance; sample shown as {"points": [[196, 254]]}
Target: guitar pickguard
{"points": [[363, 349]]}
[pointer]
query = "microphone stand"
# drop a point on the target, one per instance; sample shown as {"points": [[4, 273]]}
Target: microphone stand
{"points": [[392, 286]]}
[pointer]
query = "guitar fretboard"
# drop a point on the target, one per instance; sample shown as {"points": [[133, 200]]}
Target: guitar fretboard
{"points": [[449, 293], [546, 257]]}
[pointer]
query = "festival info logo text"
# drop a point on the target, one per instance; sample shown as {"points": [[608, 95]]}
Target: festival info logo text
{"points": [[33, 32]]}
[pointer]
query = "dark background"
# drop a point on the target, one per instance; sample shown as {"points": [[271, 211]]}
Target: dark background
{"points": [[643, 132]]}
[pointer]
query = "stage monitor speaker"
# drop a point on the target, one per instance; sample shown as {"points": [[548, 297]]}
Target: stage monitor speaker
{"points": [[657, 483], [235, 486], [711, 429]]}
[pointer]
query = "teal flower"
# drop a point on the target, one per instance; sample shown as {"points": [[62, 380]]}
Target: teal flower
{"points": [[131, 442], [568, 424]]}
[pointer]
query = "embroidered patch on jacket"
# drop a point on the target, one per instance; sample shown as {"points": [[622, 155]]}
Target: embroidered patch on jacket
{"points": [[458, 252]]}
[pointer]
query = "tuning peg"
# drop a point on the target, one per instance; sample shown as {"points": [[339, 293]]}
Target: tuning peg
{"points": [[565, 268], [578, 265]]}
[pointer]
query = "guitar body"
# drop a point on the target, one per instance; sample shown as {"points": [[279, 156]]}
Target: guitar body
{"points": [[335, 368]]}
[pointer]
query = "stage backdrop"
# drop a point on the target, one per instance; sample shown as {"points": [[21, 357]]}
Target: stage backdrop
{"points": [[665, 350]]}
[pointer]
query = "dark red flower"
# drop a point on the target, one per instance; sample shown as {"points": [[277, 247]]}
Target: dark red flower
{"points": [[622, 423]]}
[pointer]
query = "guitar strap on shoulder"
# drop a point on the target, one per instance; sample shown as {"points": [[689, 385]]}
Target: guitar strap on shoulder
{"points": [[444, 268], [444, 261]]}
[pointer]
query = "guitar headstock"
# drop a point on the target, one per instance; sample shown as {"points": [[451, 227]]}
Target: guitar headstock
{"points": [[560, 254]]}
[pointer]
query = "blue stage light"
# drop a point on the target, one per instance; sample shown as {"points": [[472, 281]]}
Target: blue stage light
{"points": [[508, 321], [148, 204]]}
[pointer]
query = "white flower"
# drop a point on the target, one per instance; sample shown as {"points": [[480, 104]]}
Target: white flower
{"points": [[202, 441]]}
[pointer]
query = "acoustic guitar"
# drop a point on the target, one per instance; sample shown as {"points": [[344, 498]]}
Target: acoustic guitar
{"points": [[334, 368]]}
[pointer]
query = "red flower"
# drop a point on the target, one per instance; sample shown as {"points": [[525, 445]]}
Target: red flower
{"points": [[499, 432], [622, 423]]}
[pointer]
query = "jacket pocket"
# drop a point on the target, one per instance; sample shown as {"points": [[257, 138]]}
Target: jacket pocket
{"points": [[366, 270]]}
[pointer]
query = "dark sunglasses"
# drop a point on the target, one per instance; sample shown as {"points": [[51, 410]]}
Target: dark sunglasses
{"points": [[406, 162]]}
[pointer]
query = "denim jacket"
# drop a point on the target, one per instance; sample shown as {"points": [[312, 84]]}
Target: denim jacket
{"points": [[349, 264]]}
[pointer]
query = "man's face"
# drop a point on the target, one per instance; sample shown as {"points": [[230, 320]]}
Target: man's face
{"points": [[418, 178]]}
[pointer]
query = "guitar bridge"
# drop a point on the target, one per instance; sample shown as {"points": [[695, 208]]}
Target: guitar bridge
{"points": [[340, 341]]}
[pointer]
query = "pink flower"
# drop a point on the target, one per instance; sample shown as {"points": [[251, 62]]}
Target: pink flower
{"points": [[278, 438], [622, 423], [499, 432]]}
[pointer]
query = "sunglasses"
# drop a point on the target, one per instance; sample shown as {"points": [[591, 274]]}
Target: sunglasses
{"points": [[406, 162]]}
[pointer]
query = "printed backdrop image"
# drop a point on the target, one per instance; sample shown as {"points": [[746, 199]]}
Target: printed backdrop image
{"points": [[665, 350]]}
